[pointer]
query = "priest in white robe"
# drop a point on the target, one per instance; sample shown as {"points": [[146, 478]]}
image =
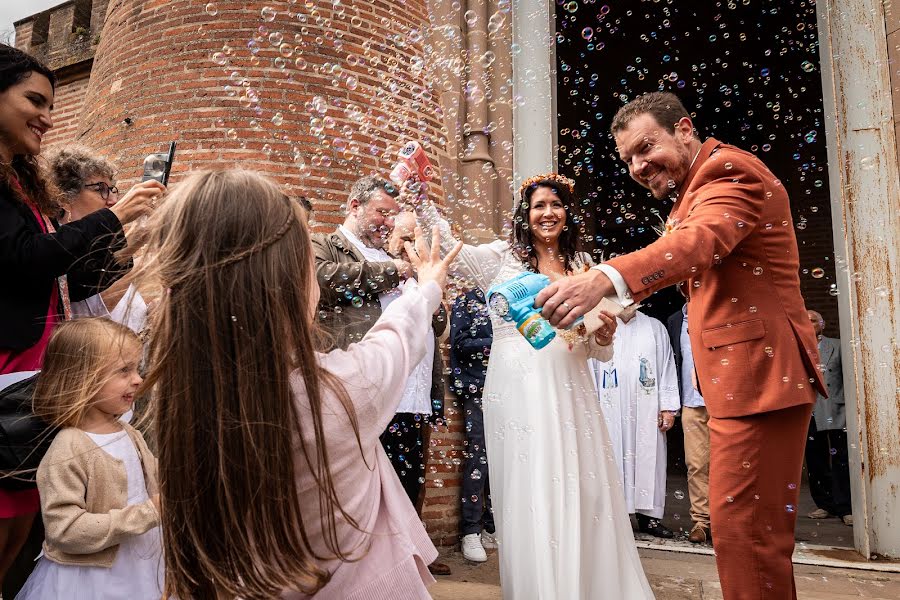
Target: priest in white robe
{"points": [[638, 392]]}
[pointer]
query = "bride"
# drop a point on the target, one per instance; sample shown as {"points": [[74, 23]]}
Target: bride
{"points": [[562, 525]]}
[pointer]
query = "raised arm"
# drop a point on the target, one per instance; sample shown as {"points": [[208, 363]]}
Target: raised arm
{"points": [[478, 264], [86, 243]]}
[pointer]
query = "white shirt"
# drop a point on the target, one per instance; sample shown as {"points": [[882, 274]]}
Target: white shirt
{"points": [[373, 255], [417, 395], [690, 397]]}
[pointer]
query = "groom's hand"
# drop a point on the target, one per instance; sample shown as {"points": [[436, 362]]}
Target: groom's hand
{"points": [[568, 298]]}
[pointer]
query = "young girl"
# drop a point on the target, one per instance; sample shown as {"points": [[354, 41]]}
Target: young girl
{"points": [[273, 477], [98, 480]]}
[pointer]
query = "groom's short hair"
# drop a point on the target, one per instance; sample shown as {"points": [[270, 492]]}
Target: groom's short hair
{"points": [[664, 107]]}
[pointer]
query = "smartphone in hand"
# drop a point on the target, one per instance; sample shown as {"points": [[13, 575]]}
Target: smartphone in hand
{"points": [[158, 166]]}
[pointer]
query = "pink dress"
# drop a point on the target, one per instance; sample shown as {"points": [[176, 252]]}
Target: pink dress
{"points": [[393, 548]]}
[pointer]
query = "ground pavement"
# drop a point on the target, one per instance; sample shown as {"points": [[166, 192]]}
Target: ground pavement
{"points": [[679, 576]]}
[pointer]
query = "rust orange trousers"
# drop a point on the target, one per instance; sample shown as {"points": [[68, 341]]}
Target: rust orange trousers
{"points": [[754, 485]]}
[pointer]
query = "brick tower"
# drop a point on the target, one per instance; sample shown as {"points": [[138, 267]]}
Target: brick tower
{"points": [[315, 94]]}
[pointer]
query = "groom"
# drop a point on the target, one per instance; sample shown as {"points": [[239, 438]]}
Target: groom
{"points": [[729, 244]]}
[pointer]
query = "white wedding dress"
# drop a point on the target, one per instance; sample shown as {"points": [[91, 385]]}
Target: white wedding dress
{"points": [[563, 529]]}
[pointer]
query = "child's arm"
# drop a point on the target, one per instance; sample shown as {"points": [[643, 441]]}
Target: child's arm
{"points": [[375, 370], [69, 526]]}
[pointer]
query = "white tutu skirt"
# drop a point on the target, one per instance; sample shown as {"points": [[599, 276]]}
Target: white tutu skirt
{"points": [[136, 574]]}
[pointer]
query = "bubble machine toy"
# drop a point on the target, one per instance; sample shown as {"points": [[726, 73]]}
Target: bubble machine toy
{"points": [[513, 301], [412, 162]]}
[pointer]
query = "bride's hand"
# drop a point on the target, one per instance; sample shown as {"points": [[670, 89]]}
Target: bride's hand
{"points": [[427, 261], [604, 335]]}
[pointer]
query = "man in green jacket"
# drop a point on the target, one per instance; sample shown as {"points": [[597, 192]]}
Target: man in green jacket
{"points": [[357, 278]]}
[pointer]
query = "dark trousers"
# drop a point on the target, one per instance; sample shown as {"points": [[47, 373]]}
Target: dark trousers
{"points": [[475, 512], [403, 441], [829, 469]]}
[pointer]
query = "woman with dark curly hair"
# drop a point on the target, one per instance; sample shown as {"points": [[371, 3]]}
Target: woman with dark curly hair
{"points": [[45, 265], [559, 509]]}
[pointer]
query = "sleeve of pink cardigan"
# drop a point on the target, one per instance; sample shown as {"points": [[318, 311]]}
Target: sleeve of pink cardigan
{"points": [[62, 482], [374, 371]]}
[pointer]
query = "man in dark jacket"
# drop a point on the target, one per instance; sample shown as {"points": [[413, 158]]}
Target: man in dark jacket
{"points": [[471, 336]]}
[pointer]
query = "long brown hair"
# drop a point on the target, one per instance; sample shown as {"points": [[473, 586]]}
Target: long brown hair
{"points": [[235, 322], [15, 67], [79, 360]]}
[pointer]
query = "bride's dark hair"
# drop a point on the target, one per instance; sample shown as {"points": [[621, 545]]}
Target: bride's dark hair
{"points": [[521, 236]]}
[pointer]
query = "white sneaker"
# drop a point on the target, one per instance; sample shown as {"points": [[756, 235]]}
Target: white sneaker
{"points": [[488, 541], [472, 548]]}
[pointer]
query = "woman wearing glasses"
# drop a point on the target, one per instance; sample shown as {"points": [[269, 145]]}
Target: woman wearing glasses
{"points": [[86, 183], [45, 265]]}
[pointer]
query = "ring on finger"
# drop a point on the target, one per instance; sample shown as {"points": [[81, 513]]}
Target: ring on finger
{"points": [[566, 304]]}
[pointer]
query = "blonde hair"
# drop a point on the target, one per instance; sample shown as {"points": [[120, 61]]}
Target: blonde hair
{"points": [[78, 362], [235, 321]]}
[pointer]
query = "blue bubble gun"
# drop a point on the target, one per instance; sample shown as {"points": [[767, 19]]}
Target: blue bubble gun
{"points": [[513, 301]]}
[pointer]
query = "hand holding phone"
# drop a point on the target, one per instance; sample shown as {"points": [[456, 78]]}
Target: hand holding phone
{"points": [[139, 201]]}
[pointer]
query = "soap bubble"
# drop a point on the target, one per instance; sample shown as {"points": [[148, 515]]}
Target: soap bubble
{"points": [[268, 14]]}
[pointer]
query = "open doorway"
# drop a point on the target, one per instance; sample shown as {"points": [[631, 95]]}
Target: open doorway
{"points": [[749, 70]]}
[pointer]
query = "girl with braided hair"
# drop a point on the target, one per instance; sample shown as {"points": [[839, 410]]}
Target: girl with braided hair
{"points": [[559, 509], [274, 483]]}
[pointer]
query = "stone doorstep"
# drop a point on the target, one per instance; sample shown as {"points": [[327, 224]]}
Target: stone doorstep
{"points": [[675, 575], [808, 554]]}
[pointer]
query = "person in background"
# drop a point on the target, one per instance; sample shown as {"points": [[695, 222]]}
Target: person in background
{"points": [[357, 276], [87, 183], [407, 439], [638, 392], [359, 279], [827, 457], [471, 336], [46, 265], [695, 426]]}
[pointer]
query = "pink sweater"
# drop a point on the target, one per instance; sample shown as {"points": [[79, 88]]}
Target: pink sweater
{"points": [[395, 550]]}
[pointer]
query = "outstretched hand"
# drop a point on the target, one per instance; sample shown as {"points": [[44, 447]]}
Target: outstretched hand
{"points": [[427, 260], [566, 299]]}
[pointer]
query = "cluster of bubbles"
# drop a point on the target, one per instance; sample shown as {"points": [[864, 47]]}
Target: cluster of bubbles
{"points": [[382, 75], [750, 76]]}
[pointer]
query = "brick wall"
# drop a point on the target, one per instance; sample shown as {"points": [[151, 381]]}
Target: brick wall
{"points": [[69, 102], [340, 115]]}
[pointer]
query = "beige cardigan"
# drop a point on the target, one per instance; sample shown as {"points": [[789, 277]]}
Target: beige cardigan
{"points": [[84, 492]]}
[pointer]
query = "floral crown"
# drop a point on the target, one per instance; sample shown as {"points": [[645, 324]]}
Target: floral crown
{"points": [[555, 177]]}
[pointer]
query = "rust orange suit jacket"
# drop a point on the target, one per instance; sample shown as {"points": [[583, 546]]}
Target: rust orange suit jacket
{"points": [[730, 244]]}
